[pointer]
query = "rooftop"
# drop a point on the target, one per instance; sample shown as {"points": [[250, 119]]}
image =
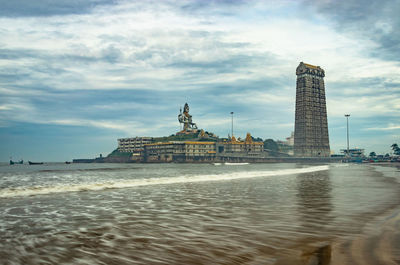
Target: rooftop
{"points": [[311, 66]]}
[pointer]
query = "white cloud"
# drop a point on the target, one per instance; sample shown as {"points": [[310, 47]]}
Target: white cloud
{"points": [[161, 47], [389, 127], [115, 125], [5, 107], [364, 106], [274, 98], [384, 26]]}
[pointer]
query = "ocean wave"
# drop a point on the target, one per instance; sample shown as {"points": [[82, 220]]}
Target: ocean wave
{"points": [[87, 169], [42, 190], [230, 164]]}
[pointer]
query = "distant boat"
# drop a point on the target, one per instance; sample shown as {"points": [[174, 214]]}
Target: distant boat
{"points": [[35, 163], [67, 162], [20, 162]]}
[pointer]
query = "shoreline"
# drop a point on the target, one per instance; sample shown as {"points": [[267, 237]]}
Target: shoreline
{"points": [[378, 241], [381, 246], [372, 236]]}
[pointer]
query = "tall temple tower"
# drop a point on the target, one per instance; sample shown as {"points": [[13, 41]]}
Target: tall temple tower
{"points": [[311, 137]]}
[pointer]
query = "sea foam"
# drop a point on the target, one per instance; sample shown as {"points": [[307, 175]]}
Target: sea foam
{"points": [[41, 190]]}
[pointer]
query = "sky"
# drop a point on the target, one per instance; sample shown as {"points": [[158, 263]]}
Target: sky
{"points": [[77, 75]]}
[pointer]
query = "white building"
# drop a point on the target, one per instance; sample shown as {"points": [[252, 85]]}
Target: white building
{"points": [[133, 145], [290, 139]]}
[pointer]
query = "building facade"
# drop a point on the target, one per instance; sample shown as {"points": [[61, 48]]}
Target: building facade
{"points": [[133, 145], [311, 138], [290, 139], [180, 151], [201, 151], [248, 147], [163, 152]]}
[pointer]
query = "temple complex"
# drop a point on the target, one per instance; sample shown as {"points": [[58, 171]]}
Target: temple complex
{"points": [[309, 142], [234, 146], [190, 144]]}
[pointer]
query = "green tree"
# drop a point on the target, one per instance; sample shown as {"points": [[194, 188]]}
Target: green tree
{"points": [[258, 139], [396, 149], [372, 154], [271, 145]]}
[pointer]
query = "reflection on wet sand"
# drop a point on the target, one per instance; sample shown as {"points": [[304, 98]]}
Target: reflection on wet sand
{"points": [[379, 242], [381, 248], [322, 242], [314, 218], [314, 201], [315, 206]]}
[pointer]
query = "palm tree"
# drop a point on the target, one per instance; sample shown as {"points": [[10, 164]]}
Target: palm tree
{"points": [[396, 149]]}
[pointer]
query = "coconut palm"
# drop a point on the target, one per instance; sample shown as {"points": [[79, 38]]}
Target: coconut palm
{"points": [[396, 149]]}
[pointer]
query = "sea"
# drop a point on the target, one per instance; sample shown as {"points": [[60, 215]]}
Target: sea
{"points": [[273, 213]]}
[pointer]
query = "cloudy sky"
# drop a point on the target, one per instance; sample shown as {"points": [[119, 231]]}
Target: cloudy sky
{"points": [[77, 75]]}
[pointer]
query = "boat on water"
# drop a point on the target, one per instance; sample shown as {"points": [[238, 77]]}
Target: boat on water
{"points": [[67, 162], [35, 163], [20, 162]]}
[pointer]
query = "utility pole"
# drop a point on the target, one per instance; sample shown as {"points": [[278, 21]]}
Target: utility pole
{"points": [[232, 124], [347, 120]]}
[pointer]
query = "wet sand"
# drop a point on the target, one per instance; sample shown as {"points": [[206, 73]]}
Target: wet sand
{"points": [[343, 214], [378, 243], [380, 247]]}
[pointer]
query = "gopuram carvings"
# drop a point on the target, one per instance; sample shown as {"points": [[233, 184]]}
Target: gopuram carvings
{"points": [[311, 137]]}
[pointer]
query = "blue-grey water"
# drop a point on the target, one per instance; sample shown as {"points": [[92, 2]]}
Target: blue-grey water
{"points": [[199, 214]]}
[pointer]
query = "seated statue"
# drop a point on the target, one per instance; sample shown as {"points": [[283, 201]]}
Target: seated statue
{"points": [[186, 119]]}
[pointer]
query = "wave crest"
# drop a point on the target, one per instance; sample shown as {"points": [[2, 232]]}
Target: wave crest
{"points": [[41, 190]]}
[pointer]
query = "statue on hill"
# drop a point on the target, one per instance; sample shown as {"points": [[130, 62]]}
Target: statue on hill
{"points": [[186, 119]]}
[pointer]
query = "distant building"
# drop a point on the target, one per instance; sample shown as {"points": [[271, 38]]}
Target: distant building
{"points": [[180, 151], [355, 152], [286, 147], [133, 145], [165, 151], [200, 151], [290, 139], [246, 148], [311, 137], [188, 145]]}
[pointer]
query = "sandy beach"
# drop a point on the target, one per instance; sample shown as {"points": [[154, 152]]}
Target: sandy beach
{"points": [[272, 214]]}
